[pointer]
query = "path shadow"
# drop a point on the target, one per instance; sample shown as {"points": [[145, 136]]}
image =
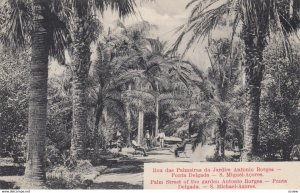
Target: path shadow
{"points": [[158, 153], [115, 185], [12, 170], [7, 185], [122, 170]]}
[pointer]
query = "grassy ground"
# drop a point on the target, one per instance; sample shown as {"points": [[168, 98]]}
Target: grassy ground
{"points": [[7, 185]]}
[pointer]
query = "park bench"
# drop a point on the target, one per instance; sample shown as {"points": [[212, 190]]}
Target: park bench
{"points": [[172, 140], [295, 153], [137, 148], [181, 149], [116, 144]]}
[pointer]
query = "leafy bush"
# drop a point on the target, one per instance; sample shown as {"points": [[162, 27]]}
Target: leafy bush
{"points": [[67, 183], [13, 103], [62, 177], [279, 116], [276, 139]]}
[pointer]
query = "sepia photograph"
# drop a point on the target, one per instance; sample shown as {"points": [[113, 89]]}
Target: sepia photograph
{"points": [[93, 90]]}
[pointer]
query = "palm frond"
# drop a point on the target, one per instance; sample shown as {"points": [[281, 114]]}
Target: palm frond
{"points": [[59, 37], [191, 3], [200, 23], [124, 77], [123, 7], [135, 94], [283, 34], [16, 25]]}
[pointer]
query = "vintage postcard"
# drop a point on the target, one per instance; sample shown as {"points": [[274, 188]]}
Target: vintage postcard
{"points": [[149, 94]]}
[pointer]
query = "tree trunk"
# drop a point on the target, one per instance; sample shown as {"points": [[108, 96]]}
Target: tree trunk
{"points": [[251, 122], [35, 175], [217, 148], [99, 112], [140, 125], [156, 116], [104, 114], [128, 120], [222, 146], [80, 66], [254, 46], [217, 142], [128, 123], [222, 132]]}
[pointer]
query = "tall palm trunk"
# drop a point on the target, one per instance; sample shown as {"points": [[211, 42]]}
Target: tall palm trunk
{"points": [[128, 124], [254, 46], [254, 33], [217, 141], [35, 166], [222, 131], [99, 112], [222, 146], [81, 63], [128, 120], [156, 116], [140, 124]]}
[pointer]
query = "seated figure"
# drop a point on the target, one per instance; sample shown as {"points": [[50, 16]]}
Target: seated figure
{"points": [[137, 147], [116, 141], [295, 153], [181, 147]]}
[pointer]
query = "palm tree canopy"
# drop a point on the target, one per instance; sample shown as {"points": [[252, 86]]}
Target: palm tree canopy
{"points": [[16, 26], [84, 7], [276, 15], [16, 21]]}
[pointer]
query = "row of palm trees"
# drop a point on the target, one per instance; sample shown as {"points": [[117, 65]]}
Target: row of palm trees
{"points": [[135, 73], [227, 82], [256, 20], [50, 27]]}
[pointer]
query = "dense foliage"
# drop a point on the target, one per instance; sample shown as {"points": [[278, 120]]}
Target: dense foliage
{"points": [[13, 103], [280, 103]]}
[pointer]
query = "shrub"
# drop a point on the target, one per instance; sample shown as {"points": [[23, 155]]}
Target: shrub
{"points": [[80, 177]]}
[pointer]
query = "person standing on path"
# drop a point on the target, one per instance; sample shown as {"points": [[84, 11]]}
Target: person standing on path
{"points": [[161, 136], [118, 140], [148, 139]]}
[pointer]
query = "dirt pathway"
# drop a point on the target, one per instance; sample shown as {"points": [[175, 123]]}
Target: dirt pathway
{"points": [[126, 174], [129, 173]]}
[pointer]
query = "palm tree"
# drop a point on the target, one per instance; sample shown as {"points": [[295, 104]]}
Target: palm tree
{"points": [[225, 79], [110, 74], [136, 62], [153, 87], [85, 29], [26, 23], [166, 74], [137, 43], [258, 19], [118, 63], [35, 165], [127, 59], [160, 81]]}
